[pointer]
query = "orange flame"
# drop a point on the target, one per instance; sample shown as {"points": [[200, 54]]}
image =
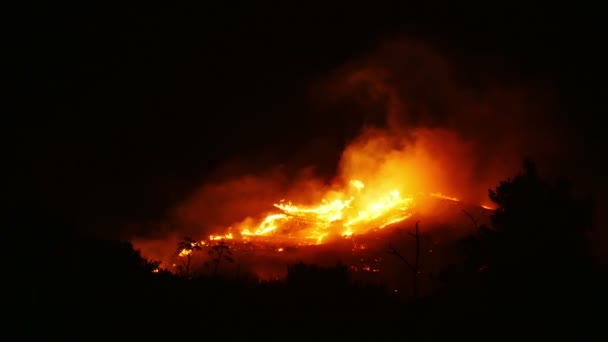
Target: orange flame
{"points": [[440, 195], [227, 236], [377, 172], [185, 252], [384, 179], [346, 213]]}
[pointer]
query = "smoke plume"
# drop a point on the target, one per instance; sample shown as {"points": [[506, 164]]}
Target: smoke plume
{"points": [[431, 125]]}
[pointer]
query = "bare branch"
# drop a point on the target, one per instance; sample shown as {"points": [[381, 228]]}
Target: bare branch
{"points": [[393, 251], [473, 219], [399, 231]]}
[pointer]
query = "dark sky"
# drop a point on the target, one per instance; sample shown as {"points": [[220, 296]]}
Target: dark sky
{"points": [[127, 108]]}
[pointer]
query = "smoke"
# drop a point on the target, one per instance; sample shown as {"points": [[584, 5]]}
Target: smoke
{"points": [[216, 206], [427, 160], [431, 125], [463, 128]]}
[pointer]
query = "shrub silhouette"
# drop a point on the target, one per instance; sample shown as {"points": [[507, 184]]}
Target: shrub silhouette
{"points": [[185, 248], [533, 254], [538, 225], [219, 252]]}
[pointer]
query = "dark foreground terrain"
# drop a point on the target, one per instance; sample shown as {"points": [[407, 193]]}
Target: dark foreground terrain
{"points": [[110, 288], [527, 274]]}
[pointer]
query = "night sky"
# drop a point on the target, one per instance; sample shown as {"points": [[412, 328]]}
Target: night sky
{"points": [[127, 109]]}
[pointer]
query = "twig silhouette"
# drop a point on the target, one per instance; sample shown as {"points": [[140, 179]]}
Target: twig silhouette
{"points": [[415, 267]]}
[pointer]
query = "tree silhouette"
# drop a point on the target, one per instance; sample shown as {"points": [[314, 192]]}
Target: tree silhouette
{"points": [[536, 242], [220, 251], [414, 267], [542, 219], [110, 259], [185, 248]]}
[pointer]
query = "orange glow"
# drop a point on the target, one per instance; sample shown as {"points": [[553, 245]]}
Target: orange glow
{"points": [[185, 252], [269, 224], [343, 213], [384, 180], [417, 157], [219, 237], [440, 195]]}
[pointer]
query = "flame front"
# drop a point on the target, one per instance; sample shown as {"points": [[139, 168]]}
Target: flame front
{"points": [[348, 212], [381, 182]]}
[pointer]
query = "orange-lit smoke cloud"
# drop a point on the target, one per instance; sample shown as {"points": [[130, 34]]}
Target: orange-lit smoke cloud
{"points": [[216, 206], [437, 127], [446, 126]]}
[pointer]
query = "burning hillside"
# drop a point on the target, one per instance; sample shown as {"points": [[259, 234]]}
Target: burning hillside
{"points": [[310, 235], [346, 226], [340, 217], [439, 148]]}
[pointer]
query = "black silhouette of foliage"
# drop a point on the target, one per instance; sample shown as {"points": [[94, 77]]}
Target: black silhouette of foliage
{"points": [[314, 276], [190, 246], [107, 258], [524, 266], [540, 223], [531, 260], [414, 266], [220, 252], [536, 244]]}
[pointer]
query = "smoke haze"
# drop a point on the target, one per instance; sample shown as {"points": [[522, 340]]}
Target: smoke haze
{"points": [[430, 126]]}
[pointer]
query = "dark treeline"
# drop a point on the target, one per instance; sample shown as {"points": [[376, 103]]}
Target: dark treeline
{"points": [[528, 272]]}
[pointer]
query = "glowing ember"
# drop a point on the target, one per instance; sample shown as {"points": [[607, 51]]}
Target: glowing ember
{"points": [[364, 268]]}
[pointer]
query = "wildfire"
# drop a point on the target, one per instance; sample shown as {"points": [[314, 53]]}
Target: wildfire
{"points": [[349, 212], [185, 252], [382, 181], [356, 210], [440, 195], [269, 224], [219, 237]]}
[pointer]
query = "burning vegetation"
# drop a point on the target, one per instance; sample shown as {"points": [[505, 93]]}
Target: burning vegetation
{"points": [[349, 225], [384, 183], [434, 154]]}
